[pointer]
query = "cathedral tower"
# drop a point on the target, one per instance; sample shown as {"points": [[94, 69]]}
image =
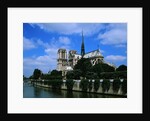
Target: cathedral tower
{"points": [[62, 59]]}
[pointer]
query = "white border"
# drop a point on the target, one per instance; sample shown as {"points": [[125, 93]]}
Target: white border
{"points": [[18, 104]]}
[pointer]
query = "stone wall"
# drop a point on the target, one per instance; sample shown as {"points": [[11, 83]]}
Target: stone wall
{"points": [[100, 90], [76, 87]]}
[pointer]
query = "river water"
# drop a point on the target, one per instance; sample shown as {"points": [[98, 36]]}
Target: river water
{"points": [[30, 91]]}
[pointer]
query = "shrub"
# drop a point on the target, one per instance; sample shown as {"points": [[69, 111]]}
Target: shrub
{"points": [[91, 75], [45, 82], [69, 84], [70, 75], [122, 68], [105, 85], [90, 85], [96, 85], [116, 85], [84, 85], [56, 84], [77, 73], [113, 75], [124, 86]]}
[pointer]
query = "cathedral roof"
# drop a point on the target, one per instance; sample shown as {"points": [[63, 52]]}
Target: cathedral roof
{"points": [[93, 53]]}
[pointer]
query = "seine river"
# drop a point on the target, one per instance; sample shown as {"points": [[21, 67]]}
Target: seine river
{"points": [[30, 91]]}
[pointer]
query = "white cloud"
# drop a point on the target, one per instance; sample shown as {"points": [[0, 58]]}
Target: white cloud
{"points": [[102, 51], [49, 59], [44, 63], [115, 58], [115, 34], [41, 43], [28, 44], [64, 40], [70, 28], [120, 46]]}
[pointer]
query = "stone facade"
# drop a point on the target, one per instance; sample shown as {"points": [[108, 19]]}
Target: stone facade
{"points": [[62, 59]]}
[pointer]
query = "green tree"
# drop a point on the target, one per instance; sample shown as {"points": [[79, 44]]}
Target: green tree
{"points": [[91, 75], [96, 85], [37, 73], [122, 68], [56, 74], [31, 77], [55, 83], [107, 68], [24, 77], [77, 73], [70, 75], [69, 84], [84, 65], [124, 86], [90, 85], [116, 85], [46, 76], [97, 68], [105, 85], [84, 85]]}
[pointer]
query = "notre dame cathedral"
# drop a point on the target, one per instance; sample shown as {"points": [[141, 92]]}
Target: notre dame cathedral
{"points": [[66, 63]]}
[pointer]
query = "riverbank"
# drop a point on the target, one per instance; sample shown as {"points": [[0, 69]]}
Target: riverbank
{"points": [[76, 88]]}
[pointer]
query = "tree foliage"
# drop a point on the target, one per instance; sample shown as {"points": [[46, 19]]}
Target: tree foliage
{"points": [[107, 68], [90, 85], [24, 78], [56, 73], [70, 75], [37, 73], [69, 84], [91, 75], [84, 85], [96, 85], [113, 75], [77, 74], [105, 85], [122, 68], [56, 84], [116, 85], [84, 65], [124, 86], [53, 75]]}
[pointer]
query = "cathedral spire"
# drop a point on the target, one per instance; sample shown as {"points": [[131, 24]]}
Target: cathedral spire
{"points": [[82, 46]]}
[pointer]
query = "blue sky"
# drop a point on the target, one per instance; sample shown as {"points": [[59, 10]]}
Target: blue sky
{"points": [[42, 40]]}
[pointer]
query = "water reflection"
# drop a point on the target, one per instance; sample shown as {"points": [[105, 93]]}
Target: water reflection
{"points": [[30, 91]]}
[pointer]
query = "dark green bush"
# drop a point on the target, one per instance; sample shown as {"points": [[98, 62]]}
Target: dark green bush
{"points": [[90, 85], [45, 82], [70, 75], [91, 75], [96, 85], [55, 84], [122, 68], [69, 84], [105, 85], [84, 85], [124, 86], [116, 85], [113, 75]]}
